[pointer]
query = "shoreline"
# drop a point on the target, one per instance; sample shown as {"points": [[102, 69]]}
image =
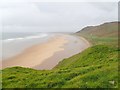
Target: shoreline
{"points": [[59, 56], [48, 54]]}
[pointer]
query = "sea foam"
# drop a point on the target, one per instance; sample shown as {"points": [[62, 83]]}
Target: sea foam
{"points": [[27, 37]]}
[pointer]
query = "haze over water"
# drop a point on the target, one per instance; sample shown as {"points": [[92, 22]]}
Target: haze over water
{"points": [[13, 43]]}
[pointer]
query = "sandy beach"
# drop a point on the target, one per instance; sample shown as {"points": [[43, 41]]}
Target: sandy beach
{"points": [[46, 55]]}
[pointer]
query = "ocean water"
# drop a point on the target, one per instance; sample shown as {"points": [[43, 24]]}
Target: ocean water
{"points": [[14, 43], [19, 36]]}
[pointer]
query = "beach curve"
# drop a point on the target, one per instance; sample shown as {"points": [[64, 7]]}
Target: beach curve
{"points": [[48, 54]]}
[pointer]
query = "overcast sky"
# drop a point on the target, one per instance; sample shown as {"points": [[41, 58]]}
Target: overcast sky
{"points": [[36, 16]]}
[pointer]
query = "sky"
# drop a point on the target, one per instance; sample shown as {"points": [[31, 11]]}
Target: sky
{"points": [[61, 16]]}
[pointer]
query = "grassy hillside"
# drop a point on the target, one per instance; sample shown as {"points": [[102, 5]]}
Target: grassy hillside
{"points": [[96, 67], [106, 33]]}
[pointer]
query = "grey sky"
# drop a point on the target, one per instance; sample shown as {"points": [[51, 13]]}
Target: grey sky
{"points": [[55, 16]]}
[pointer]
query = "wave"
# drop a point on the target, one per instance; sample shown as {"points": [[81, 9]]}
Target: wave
{"points": [[25, 38]]}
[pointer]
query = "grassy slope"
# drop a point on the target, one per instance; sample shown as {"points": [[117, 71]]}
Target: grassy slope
{"points": [[97, 66], [106, 33]]}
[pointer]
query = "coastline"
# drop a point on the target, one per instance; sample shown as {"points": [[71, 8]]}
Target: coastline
{"points": [[48, 54]]}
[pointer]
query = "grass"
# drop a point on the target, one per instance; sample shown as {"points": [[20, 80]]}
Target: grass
{"points": [[105, 34], [95, 67], [82, 72]]}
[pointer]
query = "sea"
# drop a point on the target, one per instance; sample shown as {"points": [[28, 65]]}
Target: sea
{"points": [[13, 43]]}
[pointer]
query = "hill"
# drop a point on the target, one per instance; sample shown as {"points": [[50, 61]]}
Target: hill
{"points": [[106, 33], [96, 67]]}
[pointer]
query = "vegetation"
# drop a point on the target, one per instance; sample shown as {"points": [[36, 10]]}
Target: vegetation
{"points": [[96, 67], [106, 33]]}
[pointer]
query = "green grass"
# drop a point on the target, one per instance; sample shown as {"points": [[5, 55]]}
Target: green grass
{"points": [[95, 67]]}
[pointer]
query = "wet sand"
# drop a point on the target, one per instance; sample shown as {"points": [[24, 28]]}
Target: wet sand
{"points": [[48, 54]]}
